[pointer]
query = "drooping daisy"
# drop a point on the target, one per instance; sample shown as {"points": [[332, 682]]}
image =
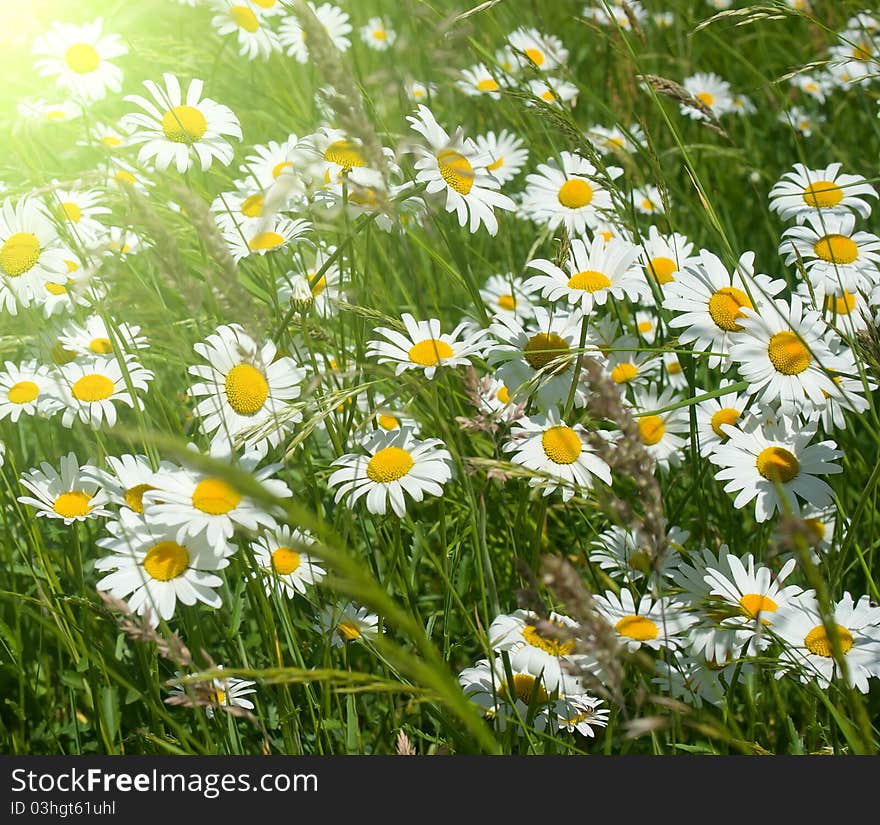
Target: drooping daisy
{"points": [[712, 91], [94, 337], [661, 430], [714, 413], [78, 212], [284, 563], [624, 553], [247, 22], [180, 130], [506, 153], [479, 81], [616, 139], [710, 302], [334, 20], [629, 365], [79, 58], [154, 568], [560, 455], [223, 692], [424, 347], [802, 192], [71, 494], [536, 49], [808, 651], [775, 465], [245, 390], [377, 34], [593, 274], [508, 295], [654, 623], [27, 389], [264, 235], [346, 622], [455, 165], [79, 288], [90, 390], [395, 464]]}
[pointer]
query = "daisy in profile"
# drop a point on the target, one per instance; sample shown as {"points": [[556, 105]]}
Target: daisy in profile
{"points": [[662, 257], [626, 554], [30, 253], [264, 235], [536, 49], [128, 478], [508, 295], [801, 120], [661, 431], [688, 679], [424, 347], [154, 568], [377, 34], [395, 464], [776, 466], [648, 200], [710, 303], [334, 20], [785, 355], [272, 175], [245, 391], [417, 91], [616, 140], [219, 693], [506, 152], [181, 130], [95, 338], [714, 413], [629, 365], [712, 91], [478, 81], [284, 563], [346, 622], [27, 389], [91, 389], [253, 32], [559, 455], [593, 274], [802, 192], [71, 494], [78, 212], [567, 192], [79, 58], [306, 285], [835, 256], [654, 623], [808, 651], [537, 357], [850, 389], [454, 165]]}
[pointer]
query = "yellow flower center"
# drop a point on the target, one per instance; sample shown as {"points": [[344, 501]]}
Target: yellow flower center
{"points": [[496, 164], [428, 353], [349, 631], [651, 429], [836, 249], [487, 85], [818, 643], [507, 302], [456, 170], [280, 168], [644, 326], [19, 253], [265, 242], [575, 193], [555, 647], [777, 464], [535, 55], [545, 348], [246, 389], [562, 445], [648, 205], [389, 464], [72, 504], [215, 497], [816, 527], [244, 18], [23, 392], [285, 560], [71, 211], [752, 604], [252, 206], [82, 58], [822, 194], [589, 281], [166, 560], [705, 97], [727, 415], [841, 304], [344, 153], [624, 372], [387, 422], [122, 176], [184, 124], [55, 289], [503, 395], [674, 367], [94, 387], [788, 354], [134, 496], [662, 269], [524, 687], [101, 346], [725, 306], [111, 140], [640, 628]]}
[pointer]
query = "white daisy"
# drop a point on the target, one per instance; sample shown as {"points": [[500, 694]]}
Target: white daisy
{"points": [[714, 413], [712, 91], [71, 494], [664, 256], [536, 49], [254, 33], [508, 295], [334, 20], [506, 153], [624, 553], [28, 389], [224, 692], [284, 563], [347, 622], [91, 389], [662, 432], [801, 120], [377, 34], [95, 337], [802, 192], [478, 81], [615, 139], [654, 623], [264, 234], [129, 477], [77, 212], [648, 200]]}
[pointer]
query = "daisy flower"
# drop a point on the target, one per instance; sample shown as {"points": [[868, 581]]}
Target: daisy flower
{"points": [[801, 120], [105, 136], [593, 274], [479, 81], [710, 302], [179, 130], [377, 35], [95, 338], [711, 90], [30, 253], [77, 212], [283, 561], [193, 502], [417, 91], [785, 355], [266, 167], [648, 201], [454, 164], [154, 568], [266, 234], [79, 288], [538, 50], [816, 86], [654, 623], [79, 58], [506, 153], [255, 36], [245, 391], [628, 365], [664, 256], [567, 193], [615, 139], [560, 455], [223, 692], [849, 391], [334, 20], [687, 679], [803, 192], [347, 622], [129, 477], [424, 347], [321, 292], [27, 389], [395, 463], [508, 295], [714, 413], [91, 390], [808, 650], [44, 112], [775, 466], [71, 494], [623, 553], [661, 433]]}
